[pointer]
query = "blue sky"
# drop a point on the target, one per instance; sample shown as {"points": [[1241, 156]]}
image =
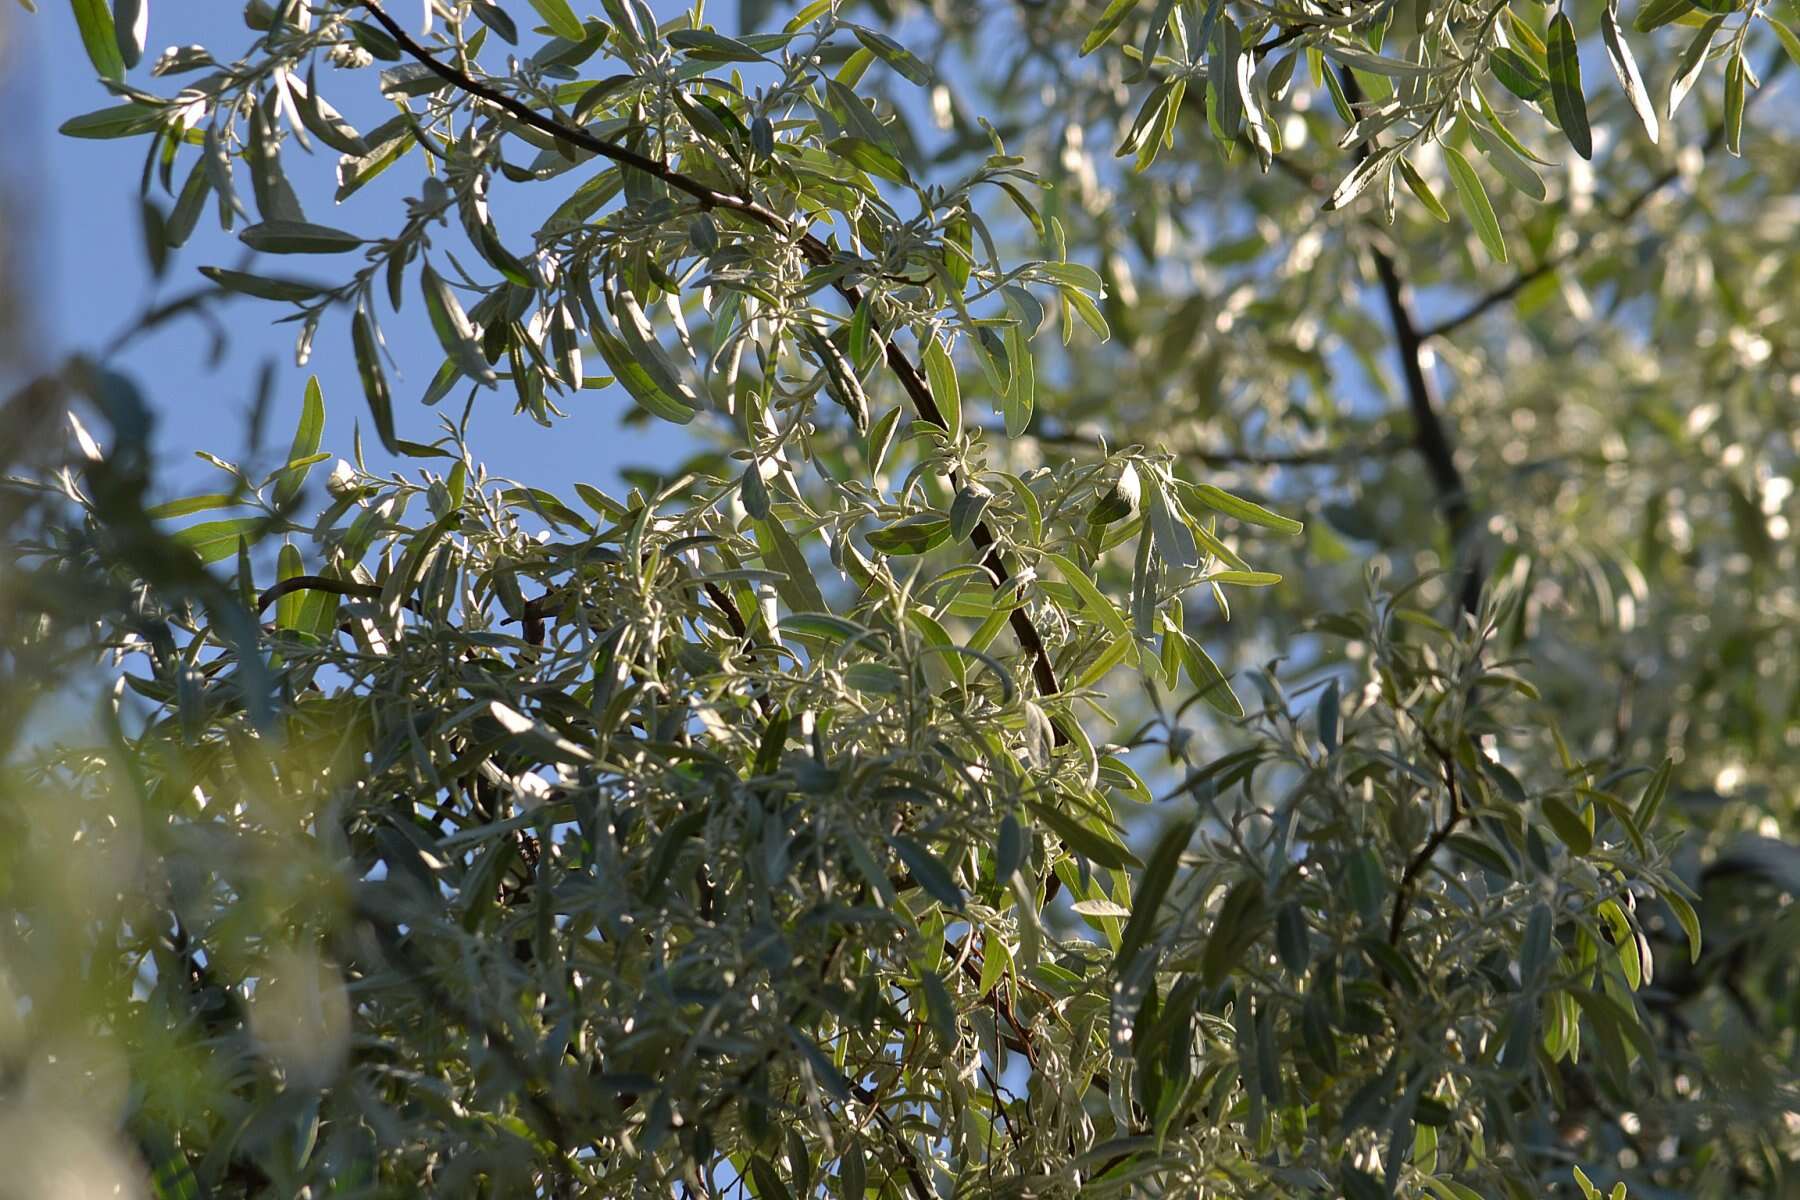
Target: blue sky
{"points": [[87, 272]]}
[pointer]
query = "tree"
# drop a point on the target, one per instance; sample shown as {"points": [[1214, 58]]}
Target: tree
{"points": [[873, 801]]}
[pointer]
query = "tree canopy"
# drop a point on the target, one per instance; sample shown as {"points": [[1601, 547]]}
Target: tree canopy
{"points": [[1227, 627]]}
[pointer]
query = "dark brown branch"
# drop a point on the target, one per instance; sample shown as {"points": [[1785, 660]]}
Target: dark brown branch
{"points": [[1525, 279], [1012, 1134], [316, 583], [912, 380], [1430, 438], [1409, 877], [915, 1178]]}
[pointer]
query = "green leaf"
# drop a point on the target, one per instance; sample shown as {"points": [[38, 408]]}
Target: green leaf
{"points": [[99, 38], [454, 332], [871, 158], [708, 46], [967, 509], [375, 40], [940, 1010], [647, 391], [1234, 930], [1515, 170], [940, 376], [1653, 14], [1569, 825], [1687, 918], [374, 381], [1093, 600], [1365, 173], [298, 237], [1372, 63], [769, 1185], [1733, 120], [1021, 390], [189, 505], [1790, 41], [1565, 85], [1111, 19], [1239, 509], [171, 1176], [291, 608], [214, 540], [1206, 677], [1687, 70], [911, 535], [1173, 539], [903, 61], [307, 436], [1076, 836], [1449, 1189], [131, 28], [1416, 183], [1602, 1009], [1654, 793], [264, 288], [1626, 68], [496, 19], [1475, 205], [1517, 73], [782, 553], [560, 18], [1534, 947], [1151, 887], [873, 677], [325, 123], [121, 120], [928, 872]]}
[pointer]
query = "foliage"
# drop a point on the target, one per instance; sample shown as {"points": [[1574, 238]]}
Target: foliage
{"points": [[836, 811]]}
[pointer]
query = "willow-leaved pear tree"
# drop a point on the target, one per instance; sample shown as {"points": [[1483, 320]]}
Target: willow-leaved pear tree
{"points": [[877, 803]]}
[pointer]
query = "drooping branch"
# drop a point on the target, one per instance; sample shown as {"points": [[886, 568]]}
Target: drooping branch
{"points": [[1430, 437], [911, 378]]}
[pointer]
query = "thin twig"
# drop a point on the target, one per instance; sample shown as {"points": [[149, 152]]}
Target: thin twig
{"points": [[912, 379], [1000, 1107], [1416, 867]]}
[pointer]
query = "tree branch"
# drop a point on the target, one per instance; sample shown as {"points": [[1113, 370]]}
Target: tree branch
{"points": [[1506, 291], [1409, 877], [912, 380], [1430, 438]]}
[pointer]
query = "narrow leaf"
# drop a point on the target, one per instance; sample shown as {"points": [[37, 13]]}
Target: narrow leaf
{"points": [[1565, 85], [560, 18], [1626, 68], [374, 381], [1475, 204], [307, 436], [98, 38]]}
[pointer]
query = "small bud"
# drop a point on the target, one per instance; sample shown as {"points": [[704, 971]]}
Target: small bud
{"points": [[343, 480]]}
